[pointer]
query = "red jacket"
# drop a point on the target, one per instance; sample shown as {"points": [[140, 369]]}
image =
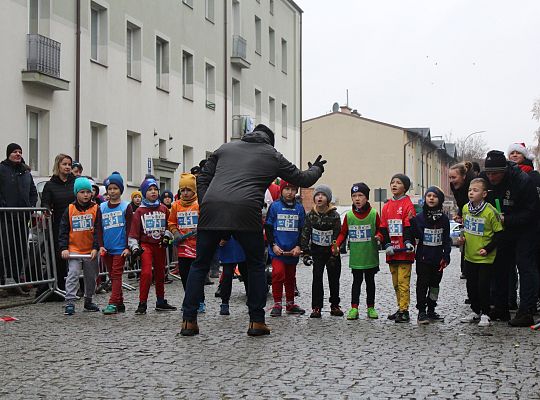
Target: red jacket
{"points": [[396, 228]]}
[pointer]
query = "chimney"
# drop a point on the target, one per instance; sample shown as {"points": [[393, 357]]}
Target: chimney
{"points": [[345, 109]]}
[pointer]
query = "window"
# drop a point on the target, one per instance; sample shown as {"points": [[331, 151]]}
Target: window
{"points": [[133, 147], [187, 75], [210, 10], [163, 149], [98, 33], [258, 106], [33, 139], [272, 7], [283, 55], [164, 184], [210, 84], [133, 50], [258, 31], [162, 64], [284, 120], [187, 158], [188, 3], [272, 46], [272, 112], [33, 16], [98, 165]]}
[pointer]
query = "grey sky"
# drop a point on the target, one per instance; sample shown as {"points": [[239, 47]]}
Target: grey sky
{"points": [[455, 66]]}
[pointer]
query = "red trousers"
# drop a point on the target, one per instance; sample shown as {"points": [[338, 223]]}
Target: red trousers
{"points": [[115, 267], [154, 255], [283, 274]]}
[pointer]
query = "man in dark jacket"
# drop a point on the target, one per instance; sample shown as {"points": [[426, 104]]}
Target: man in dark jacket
{"points": [[512, 192], [17, 189], [231, 191]]}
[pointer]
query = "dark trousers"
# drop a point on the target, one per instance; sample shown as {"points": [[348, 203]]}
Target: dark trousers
{"points": [[478, 286], [333, 270], [227, 278], [358, 277], [253, 245], [184, 265], [428, 279]]}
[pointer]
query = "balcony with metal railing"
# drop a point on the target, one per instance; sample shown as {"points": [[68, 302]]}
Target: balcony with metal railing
{"points": [[239, 52]]}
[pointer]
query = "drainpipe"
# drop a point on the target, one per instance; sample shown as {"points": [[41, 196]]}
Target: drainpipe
{"points": [[78, 82], [225, 72], [301, 115], [405, 155]]}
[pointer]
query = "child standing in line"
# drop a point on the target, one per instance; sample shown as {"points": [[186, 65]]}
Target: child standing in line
{"points": [[148, 237], [116, 219], [284, 223], [319, 235], [361, 226], [136, 200], [79, 235], [431, 228], [396, 230], [230, 254], [483, 228]]}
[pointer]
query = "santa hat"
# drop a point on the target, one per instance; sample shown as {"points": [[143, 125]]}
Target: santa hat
{"points": [[520, 148]]}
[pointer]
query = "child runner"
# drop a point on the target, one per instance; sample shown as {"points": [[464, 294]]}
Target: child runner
{"points": [[432, 230], [80, 234], [483, 228], [284, 223], [116, 218], [136, 200], [361, 225], [230, 255], [148, 237], [320, 232], [396, 230]]}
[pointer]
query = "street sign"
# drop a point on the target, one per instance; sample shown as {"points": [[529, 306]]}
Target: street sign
{"points": [[149, 166], [380, 195]]}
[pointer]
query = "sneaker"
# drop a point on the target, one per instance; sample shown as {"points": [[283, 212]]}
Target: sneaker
{"points": [[121, 308], [372, 313], [110, 309], [189, 328], [164, 306], [276, 311], [402, 317], [91, 307], [141, 309], [202, 307], [335, 310], [224, 309], [522, 319], [484, 320], [423, 318], [393, 316], [316, 313], [470, 318], [434, 317], [69, 309], [295, 309], [352, 314], [258, 329]]}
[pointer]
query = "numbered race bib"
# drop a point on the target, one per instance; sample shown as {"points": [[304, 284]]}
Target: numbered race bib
{"points": [[287, 222], [81, 223], [321, 238], [154, 224], [187, 219], [113, 219], [432, 237], [360, 233], [474, 225], [395, 227]]}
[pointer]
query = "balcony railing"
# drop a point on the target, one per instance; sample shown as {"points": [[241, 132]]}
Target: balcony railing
{"points": [[239, 52], [43, 55]]}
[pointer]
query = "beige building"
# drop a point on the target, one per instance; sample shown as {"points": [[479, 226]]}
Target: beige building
{"points": [[359, 149]]}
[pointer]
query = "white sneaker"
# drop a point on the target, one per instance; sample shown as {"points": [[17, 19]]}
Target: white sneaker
{"points": [[470, 318], [484, 320]]}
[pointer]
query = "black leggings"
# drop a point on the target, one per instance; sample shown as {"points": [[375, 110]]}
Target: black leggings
{"points": [[226, 283], [358, 277]]}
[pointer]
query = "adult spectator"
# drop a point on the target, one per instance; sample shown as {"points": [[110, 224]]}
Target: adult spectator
{"points": [[57, 196], [512, 192], [17, 189], [231, 193]]}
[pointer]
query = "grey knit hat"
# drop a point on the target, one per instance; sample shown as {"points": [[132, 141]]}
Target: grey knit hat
{"points": [[324, 190]]}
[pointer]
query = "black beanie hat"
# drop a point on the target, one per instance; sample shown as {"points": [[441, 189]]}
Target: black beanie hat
{"points": [[404, 179], [495, 161], [438, 192], [267, 130], [11, 148], [360, 188]]}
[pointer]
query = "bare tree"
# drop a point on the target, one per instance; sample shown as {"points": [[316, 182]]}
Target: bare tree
{"points": [[535, 147], [469, 148]]}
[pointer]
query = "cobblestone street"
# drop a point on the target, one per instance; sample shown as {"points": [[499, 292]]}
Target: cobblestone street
{"points": [[48, 355]]}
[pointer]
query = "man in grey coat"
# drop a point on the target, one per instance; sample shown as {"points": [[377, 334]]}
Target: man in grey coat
{"points": [[231, 191]]}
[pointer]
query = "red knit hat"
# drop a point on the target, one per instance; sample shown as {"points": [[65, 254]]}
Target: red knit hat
{"points": [[283, 184]]}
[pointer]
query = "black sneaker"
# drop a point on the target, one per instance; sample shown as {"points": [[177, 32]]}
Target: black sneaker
{"points": [[141, 310], [164, 306], [434, 317], [335, 310], [402, 317], [522, 319], [393, 316], [423, 318], [316, 313], [91, 307], [121, 308]]}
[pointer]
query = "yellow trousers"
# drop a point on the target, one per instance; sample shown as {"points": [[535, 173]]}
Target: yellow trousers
{"points": [[401, 279]]}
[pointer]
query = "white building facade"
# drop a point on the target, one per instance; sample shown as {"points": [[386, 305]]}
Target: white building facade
{"points": [[147, 85]]}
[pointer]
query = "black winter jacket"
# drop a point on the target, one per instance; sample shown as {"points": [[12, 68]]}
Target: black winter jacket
{"points": [[431, 255], [233, 181], [17, 187], [57, 196]]}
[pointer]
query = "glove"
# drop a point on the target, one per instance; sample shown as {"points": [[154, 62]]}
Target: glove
{"points": [[389, 250], [307, 261], [136, 251], [409, 247], [319, 162], [167, 238]]}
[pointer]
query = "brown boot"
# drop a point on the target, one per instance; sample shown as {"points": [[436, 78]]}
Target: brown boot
{"points": [[258, 329], [189, 328]]}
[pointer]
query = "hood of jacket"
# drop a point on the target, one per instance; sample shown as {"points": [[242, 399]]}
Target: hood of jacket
{"points": [[257, 137]]}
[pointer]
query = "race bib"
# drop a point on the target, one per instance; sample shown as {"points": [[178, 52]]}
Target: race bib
{"points": [[187, 219], [321, 238], [360, 233], [82, 222], [113, 219], [154, 224], [432, 237], [395, 227], [474, 225], [287, 222]]}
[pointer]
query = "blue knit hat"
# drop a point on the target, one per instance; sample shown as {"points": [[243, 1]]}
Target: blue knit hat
{"points": [[81, 183], [115, 179], [145, 185]]}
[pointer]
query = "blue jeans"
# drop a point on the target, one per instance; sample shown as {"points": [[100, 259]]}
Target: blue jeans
{"points": [[253, 245]]}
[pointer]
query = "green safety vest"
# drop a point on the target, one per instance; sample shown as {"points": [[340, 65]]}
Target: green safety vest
{"points": [[364, 252]]}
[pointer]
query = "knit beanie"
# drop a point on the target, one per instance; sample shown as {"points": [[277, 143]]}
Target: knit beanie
{"points": [[283, 184], [404, 179], [145, 185], [360, 188], [115, 179], [324, 189], [438, 192], [166, 193], [11, 148], [495, 161], [136, 193], [188, 181], [267, 130], [520, 148], [81, 183]]}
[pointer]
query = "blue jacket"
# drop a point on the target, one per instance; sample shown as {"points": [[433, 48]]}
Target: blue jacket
{"points": [[231, 252], [434, 243], [285, 225]]}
